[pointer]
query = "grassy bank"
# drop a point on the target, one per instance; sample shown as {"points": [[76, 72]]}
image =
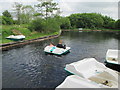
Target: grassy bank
{"points": [[8, 30]]}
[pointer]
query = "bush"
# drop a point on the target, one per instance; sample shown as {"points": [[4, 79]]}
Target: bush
{"points": [[65, 23], [52, 25], [44, 26], [37, 25], [117, 24], [7, 20]]}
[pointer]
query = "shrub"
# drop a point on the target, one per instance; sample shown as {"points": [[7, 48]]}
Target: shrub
{"points": [[37, 25], [44, 26], [7, 20]]}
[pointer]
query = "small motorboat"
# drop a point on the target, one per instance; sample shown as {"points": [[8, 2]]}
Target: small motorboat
{"points": [[91, 69], [16, 37], [56, 50], [74, 81], [113, 56]]}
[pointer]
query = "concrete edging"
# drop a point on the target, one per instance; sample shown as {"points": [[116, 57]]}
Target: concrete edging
{"points": [[24, 42]]}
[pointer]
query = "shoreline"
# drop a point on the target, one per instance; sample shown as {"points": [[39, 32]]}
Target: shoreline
{"points": [[92, 30], [7, 46]]}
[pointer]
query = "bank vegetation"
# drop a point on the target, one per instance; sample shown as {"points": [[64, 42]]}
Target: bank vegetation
{"points": [[44, 19]]}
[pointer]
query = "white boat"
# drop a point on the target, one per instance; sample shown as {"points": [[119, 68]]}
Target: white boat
{"points": [[75, 81], [56, 50], [16, 38], [113, 56], [91, 69]]}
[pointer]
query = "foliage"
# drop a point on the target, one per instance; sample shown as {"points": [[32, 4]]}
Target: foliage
{"points": [[26, 14], [7, 20], [7, 14], [52, 25], [111, 25], [17, 11], [46, 18], [7, 30], [37, 25], [47, 8], [117, 24], [65, 23], [86, 20], [107, 21], [92, 20], [43, 25], [23, 13]]}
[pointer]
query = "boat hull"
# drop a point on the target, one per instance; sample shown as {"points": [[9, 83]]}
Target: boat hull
{"points": [[68, 51], [113, 66], [112, 56], [15, 39], [94, 71], [56, 51]]}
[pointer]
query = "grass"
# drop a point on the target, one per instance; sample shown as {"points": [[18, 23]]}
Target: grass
{"points": [[7, 30]]}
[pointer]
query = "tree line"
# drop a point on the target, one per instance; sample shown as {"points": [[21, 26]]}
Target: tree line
{"points": [[45, 17], [93, 21]]}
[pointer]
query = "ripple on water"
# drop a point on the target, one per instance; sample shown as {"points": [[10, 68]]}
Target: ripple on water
{"points": [[29, 67]]}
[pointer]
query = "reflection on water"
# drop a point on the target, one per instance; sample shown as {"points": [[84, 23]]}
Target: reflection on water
{"points": [[29, 67]]}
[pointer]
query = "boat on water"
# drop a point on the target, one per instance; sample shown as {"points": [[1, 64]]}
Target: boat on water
{"points": [[16, 37], [113, 56], [89, 69], [56, 50], [74, 81]]}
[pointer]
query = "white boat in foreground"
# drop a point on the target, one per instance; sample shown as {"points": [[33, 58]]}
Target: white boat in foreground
{"points": [[16, 38], [75, 81], [113, 56], [56, 50], [91, 69]]}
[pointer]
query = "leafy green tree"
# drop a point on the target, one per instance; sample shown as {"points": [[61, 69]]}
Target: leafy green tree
{"points": [[117, 24], [91, 20], [51, 25], [0, 20], [111, 25], [44, 26], [7, 18], [17, 10], [47, 8], [37, 25], [7, 14], [65, 23], [26, 15], [107, 20]]}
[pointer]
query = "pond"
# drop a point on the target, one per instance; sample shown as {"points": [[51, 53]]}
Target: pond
{"points": [[29, 67]]}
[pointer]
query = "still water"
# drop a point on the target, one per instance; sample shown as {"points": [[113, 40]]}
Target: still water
{"points": [[28, 66]]}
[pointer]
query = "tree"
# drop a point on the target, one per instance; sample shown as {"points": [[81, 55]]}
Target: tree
{"points": [[65, 23], [7, 14], [117, 24], [7, 18], [44, 25], [111, 25], [23, 13], [26, 15], [47, 8], [107, 21], [37, 25], [91, 20], [18, 7]]}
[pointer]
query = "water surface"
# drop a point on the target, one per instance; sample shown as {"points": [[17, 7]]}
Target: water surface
{"points": [[29, 67]]}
